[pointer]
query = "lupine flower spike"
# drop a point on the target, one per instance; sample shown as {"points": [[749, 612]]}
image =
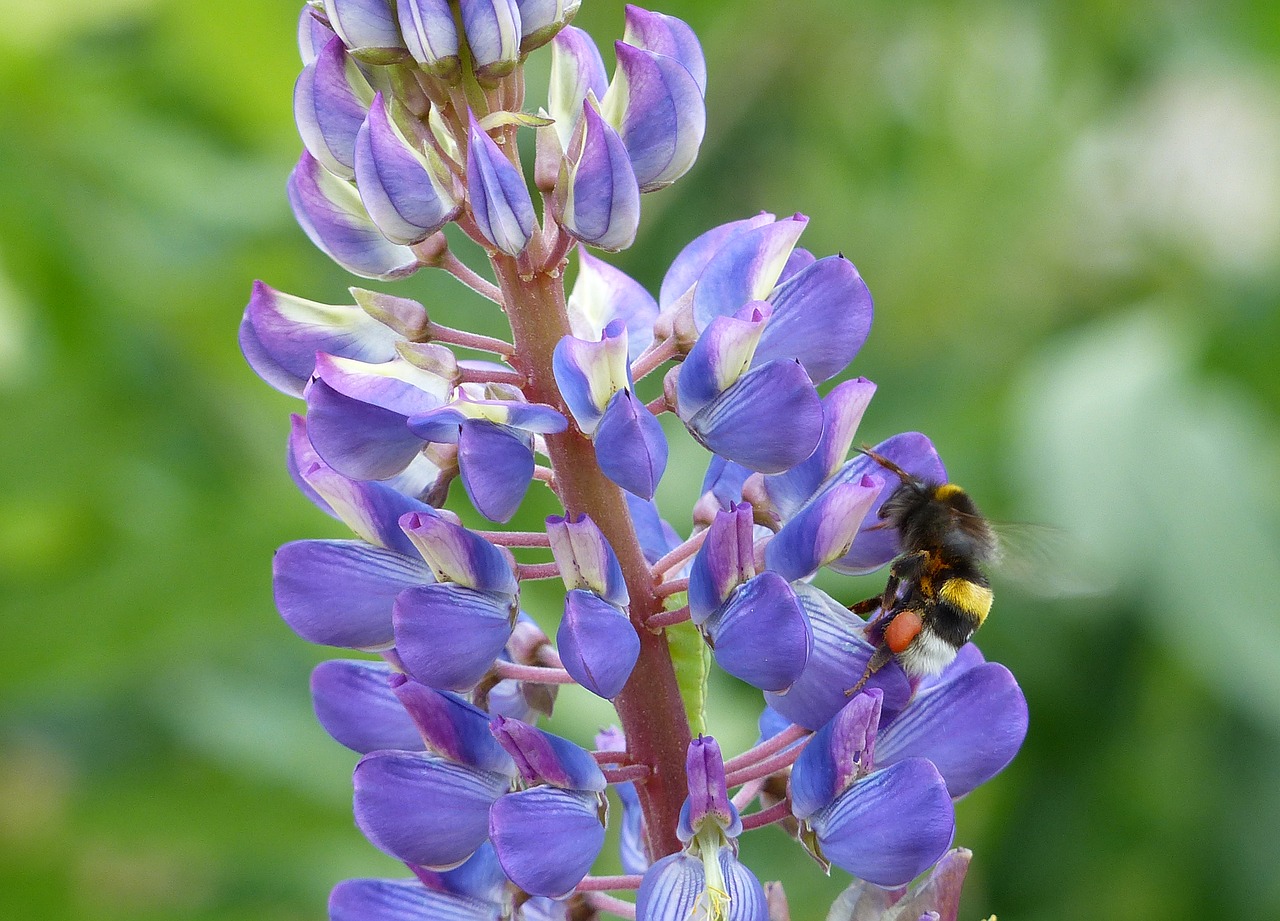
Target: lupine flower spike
{"points": [[414, 124]]}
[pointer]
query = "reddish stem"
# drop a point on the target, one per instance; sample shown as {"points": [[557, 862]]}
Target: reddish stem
{"points": [[766, 748], [535, 673], [680, 553], [628, 772], [649, 706], [668, 618], [516, 538], [775, 813], [532, 571], [674, 587], [599, 883], [764, 767]]}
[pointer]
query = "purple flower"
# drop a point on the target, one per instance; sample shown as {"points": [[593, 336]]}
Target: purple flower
{"points": [[753, 622], [705, 879], [594, 378], [597, 198], [368, 28], [499, 198], [548, 834], [874, 789], [655, 99], [331, 213], [405, 186]]}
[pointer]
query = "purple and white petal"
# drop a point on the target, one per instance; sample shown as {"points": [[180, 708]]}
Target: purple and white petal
{"points": [[589, 372], [585, 558], [761, 636], [341, 592], [746, 268], [355, 704], [875, 546], [631, 446], [602, 294], [406, 188], [842, 411], [280, 335], [492, 28], [836, 755], [838, 659], [576, 70], [547, 838], [823, 531], [597, 643], [821, 316], [542, 757], [675, 889], [769, 421], [689, 263], [598, 201], [447, 635], [667, 35], [499, 197], [423, 809], [496, 463], [404, 900], [451, 727], [329, 210], [722, 354], [431, 36], [368, 28], [708, 796], [371, 509], [313, 34], [725, 560], [969, 727], [657, 108], [357, 438], [456, 554], [330, 100], [889, 827]]}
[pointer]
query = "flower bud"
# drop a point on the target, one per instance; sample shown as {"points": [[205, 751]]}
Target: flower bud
{"points": [[368, 28], [597, 199], [597, 643], [540, 20], [576, 70], [658, 109], [330, 100], [585, 559], [669, 36], [431, 36], [492, 28], [498, 195], [405, 186], [329, 210]]}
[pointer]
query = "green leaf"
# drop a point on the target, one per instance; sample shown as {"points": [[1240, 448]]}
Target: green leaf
{"points": [[692, 660]]}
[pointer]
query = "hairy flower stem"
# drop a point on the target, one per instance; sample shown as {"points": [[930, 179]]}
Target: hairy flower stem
{"points": [[649, 707]]}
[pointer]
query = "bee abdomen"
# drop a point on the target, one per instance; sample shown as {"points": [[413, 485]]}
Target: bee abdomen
{"points": [[969, 598]]}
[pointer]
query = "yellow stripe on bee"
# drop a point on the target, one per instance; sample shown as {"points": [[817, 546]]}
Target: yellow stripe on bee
{"points": [[969, 597], [946, 491]]}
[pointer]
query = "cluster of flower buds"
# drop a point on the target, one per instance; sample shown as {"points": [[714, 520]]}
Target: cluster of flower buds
{"points": [[410, 112]]}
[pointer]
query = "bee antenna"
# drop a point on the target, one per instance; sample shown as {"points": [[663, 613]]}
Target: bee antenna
{"points": [[887, 464]]}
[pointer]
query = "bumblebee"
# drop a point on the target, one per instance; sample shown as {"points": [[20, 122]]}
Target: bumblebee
{"points": [[937, 595]]}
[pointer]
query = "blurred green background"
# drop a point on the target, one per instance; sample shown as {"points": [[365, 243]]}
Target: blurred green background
{"points": [[1069, 215]]}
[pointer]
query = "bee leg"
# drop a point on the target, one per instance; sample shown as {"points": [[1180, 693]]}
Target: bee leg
{"points": [[879, 659], [867, 605]]}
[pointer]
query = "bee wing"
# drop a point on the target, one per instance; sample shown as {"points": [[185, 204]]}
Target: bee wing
{"points": [[1042, 560]]}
